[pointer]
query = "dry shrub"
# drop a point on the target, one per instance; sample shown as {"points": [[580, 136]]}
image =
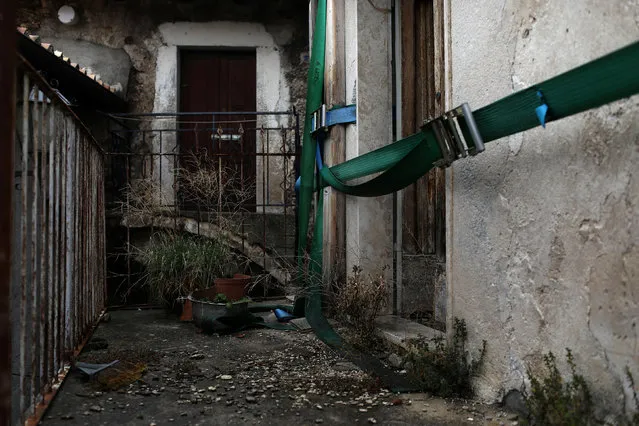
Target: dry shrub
{"points": [[360, 300], [142, 200]]}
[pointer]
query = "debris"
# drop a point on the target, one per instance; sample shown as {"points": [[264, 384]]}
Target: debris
{"points": [[301, 324], [395, 360], [397, 401], [93, 369]]}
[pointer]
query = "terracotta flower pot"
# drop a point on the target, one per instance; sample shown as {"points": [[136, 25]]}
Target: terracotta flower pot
{"points": [[187, 311], [233, 288]]}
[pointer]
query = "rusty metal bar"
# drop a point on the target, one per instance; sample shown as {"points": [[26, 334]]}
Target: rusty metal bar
{"points": [[35, 189], [44, 296], [24, 182]]}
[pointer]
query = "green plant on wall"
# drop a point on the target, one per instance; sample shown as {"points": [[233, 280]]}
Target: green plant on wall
{"points": [[178, 264], [554, 401], [446, 368]]}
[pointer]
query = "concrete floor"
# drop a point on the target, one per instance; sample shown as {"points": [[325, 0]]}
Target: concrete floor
{"points": [[276, 378]]}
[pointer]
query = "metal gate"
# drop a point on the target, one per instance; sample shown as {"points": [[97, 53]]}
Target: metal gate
{"points": [[237, 164]]}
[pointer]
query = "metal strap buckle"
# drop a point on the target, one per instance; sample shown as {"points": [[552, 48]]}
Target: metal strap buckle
{"points": [[451, 130], [318, 121]]}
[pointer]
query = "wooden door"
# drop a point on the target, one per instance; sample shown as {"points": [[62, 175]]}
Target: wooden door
{"points": [[220, 81]]}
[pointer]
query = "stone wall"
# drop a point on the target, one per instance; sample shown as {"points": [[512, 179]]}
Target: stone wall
{"points": [[135, 43], [543, 228]]}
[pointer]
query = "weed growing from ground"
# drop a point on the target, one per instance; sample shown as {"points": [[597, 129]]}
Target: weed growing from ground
{"points": [[360, 300], [446, 369], [634, 420], [553, 401]]}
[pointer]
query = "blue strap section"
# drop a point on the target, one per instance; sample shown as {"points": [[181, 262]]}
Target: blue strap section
{"points": [[541, 110], [318, 160], [343, 115]]}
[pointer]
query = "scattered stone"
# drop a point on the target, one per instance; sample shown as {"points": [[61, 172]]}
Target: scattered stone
{"points": [[95, 408], [67, 417], [319, 407], [372, 420], [86, 413], [363, 410], [226, 377], [197, 356], [212, 388], [395, 360], [318, 421], [470, 419], [184, 414], [251, 399]]}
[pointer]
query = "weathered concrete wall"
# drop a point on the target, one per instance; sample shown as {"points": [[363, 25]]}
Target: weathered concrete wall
{"points": [[369, 221], [544, 243], [113, 65]]}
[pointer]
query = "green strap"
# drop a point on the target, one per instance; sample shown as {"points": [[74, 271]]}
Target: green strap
{"points": [[596, 83]]}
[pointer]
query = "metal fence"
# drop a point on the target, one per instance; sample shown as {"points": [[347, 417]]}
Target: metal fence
{"points": [[58, 260], [190, 171]]}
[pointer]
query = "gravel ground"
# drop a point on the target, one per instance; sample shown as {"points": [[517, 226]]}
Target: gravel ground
{"points": [[260, 376]]}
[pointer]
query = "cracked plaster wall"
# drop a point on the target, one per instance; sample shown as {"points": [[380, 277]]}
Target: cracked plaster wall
{"points": [[544, 226]]}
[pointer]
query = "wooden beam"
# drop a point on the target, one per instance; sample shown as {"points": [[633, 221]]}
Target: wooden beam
{"points": [[408, 113], [335, 146]]}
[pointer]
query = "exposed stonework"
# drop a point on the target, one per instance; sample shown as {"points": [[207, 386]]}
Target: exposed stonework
{"points": [[133, 27]]}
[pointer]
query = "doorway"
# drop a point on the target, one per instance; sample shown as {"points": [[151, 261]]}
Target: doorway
{"points": [[216, 86]]}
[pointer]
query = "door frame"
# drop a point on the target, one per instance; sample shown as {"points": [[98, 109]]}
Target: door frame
{"points": [[273, 89]]}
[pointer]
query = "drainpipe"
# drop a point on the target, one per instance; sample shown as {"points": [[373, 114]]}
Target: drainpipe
{"points": [[398, 214]]}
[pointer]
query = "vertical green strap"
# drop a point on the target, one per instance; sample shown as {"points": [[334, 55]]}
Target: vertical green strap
{"points": [[315, 86]]}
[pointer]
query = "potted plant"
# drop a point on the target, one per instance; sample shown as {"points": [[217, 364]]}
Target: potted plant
{"points": [[233, 288], [177, 264], [206, 309]]}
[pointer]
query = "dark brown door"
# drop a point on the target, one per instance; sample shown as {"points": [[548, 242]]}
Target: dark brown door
{"points": [[219, 82]]}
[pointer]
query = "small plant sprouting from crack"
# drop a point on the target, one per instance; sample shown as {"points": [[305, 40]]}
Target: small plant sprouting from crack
{"points": [[446, 368], [554, 401]]}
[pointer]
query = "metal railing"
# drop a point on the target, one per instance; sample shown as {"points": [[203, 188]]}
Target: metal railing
{"points": [[155, 160], [58, 257]]}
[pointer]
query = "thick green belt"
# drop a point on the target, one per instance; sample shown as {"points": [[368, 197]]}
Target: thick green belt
{"points": [[596, 83]]}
